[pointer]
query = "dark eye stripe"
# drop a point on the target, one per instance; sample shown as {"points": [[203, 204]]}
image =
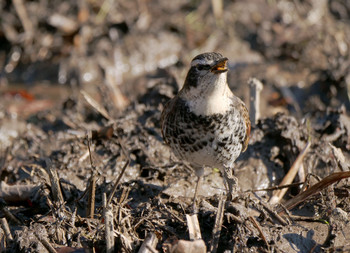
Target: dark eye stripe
{"points": [[202, 67]]}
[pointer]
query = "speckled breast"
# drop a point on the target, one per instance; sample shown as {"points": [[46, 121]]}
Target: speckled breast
{"points": [[214, 140]]}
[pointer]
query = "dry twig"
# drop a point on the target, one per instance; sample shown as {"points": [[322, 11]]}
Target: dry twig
{"points": [[254, 99], [92, 184], [55, 183], [71, 227], [274, 214], [4, 156], [63, 23], [118, 99], [126, 154], [340, 158], [8, 214], [109, 229], [94, 104], [45, 243], [25, 20], [278, 187], [324, 183], [16, 193], [278, 195], [6, 228], [149, 244], [259, 229], [218, 7], [217, 227]]}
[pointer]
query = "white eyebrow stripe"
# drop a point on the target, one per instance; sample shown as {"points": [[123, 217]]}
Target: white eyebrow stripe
{"points": [[201, 61]]}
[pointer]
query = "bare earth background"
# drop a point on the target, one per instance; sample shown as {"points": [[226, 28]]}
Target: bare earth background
{"points": [[79, 74]]}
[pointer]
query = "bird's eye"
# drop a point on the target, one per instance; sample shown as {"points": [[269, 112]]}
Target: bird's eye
{"points": [[201, 67]]}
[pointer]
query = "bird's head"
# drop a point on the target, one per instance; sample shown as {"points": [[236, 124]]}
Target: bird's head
{"points": [[207, 72]]}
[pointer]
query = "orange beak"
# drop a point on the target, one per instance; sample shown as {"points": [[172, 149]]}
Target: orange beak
{"points": [[220, 66]]}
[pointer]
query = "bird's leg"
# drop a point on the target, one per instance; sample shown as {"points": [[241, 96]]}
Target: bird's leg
{"points": [[199, 173], [231, 182], [194, 207]]}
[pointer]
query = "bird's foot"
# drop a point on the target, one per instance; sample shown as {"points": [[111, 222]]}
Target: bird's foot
{"points": [[232, 186]]}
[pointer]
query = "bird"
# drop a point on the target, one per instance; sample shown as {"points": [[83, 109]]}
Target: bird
{"points": [[205, 124]]}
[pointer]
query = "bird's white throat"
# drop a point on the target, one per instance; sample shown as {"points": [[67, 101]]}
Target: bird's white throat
{"points": [[210, 97]]}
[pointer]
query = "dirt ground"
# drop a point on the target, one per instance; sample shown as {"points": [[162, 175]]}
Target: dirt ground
{"points": [[83, 167]]}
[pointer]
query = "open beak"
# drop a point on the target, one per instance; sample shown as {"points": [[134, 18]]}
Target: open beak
{"points": [[220, 66]]}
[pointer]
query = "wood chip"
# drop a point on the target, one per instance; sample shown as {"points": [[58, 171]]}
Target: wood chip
{"points": [[193, 227]]}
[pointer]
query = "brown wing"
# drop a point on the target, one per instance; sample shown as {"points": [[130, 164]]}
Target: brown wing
{"points": [[248, 127], [164, 117]]}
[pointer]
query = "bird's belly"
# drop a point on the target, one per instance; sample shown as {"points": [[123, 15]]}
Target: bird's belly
{"points": [[203, 157], [217, 151]]}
